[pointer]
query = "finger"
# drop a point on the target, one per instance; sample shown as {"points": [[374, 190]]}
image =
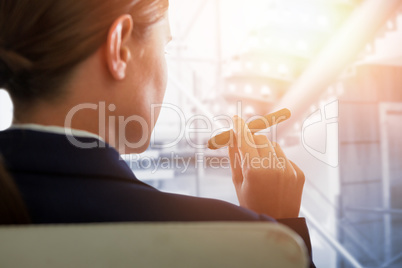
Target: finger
{"points": [[245, 141], [264, 146], [235, 162], [284, 161]]}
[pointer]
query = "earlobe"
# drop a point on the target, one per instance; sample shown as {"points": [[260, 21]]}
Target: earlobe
{"points": [[117, 52]]}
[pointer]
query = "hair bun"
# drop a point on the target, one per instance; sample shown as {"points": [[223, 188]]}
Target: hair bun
{"points": [[11, 65]]}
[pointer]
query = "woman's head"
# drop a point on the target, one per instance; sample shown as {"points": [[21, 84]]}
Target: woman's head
{"points": [[43, 42]]}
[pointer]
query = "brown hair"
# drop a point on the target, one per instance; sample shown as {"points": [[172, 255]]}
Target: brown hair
{"points": [[41, 41], [12, 206]]}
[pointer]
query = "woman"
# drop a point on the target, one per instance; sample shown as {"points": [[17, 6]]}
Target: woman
{"points": [[83, 76]]}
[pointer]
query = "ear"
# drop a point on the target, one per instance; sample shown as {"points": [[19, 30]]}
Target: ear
{"points": [[117, 52]]}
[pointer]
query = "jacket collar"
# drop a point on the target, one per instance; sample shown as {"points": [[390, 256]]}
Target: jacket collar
{"points": [[31, 151], [56, 129]]}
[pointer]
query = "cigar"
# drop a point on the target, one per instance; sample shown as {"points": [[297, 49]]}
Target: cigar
{"points": [[223, 139]]}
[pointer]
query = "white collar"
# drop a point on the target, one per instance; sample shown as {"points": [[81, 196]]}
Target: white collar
{"points": [[57, 130]]}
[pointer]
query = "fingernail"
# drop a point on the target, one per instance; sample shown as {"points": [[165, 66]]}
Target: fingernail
{"points": [[236, 123], [232, 139]]}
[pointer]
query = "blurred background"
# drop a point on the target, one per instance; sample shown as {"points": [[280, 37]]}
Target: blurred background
{"points": [[337, 65]]}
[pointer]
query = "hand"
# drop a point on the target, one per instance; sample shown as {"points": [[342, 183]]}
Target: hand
{"points": [[265, 180]]}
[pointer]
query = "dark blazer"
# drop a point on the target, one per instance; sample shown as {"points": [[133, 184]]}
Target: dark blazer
{"points": [[61, 183]]}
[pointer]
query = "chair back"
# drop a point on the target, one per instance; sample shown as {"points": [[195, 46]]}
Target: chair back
{"points": [[189, 245]]}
